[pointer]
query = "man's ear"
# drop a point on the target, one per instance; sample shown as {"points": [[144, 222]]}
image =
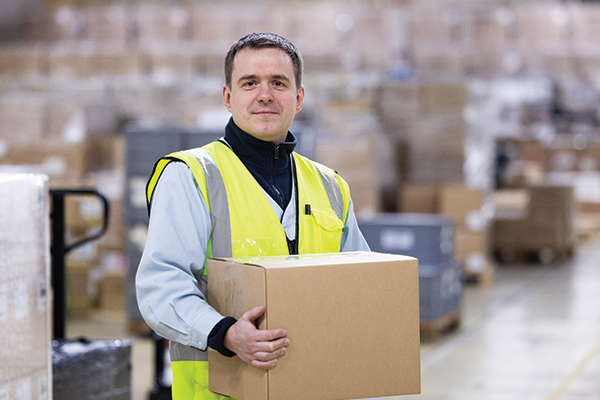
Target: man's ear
{"points": [[299, 99], [227, 97]]}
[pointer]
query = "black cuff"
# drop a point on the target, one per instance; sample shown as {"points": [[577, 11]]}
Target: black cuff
{"points": [[217, 336]]}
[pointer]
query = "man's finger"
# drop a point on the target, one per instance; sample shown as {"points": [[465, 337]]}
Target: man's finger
{"points": [[264, 364], [254, 313], [268, 356], [269, 336], [272, 345]]}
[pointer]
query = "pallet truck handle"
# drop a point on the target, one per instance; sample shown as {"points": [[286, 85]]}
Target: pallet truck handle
{"points": [[59, 249]]}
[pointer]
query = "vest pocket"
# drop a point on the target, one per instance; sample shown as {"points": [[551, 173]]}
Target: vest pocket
{"points": [[323, 229]]}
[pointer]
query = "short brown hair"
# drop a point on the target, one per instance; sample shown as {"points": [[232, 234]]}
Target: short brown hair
{"points": [[261, 41]]}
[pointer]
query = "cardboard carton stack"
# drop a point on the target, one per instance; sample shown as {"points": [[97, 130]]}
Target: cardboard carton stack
{"points": [[543, 38], [56, 134], [467, 209], [73, 142], [489, 34], [541, 230], [25, 305], [425, 118], [354, 157], [437, 41], [584, 30], [569, 160], [109, 23], [470, 213]]}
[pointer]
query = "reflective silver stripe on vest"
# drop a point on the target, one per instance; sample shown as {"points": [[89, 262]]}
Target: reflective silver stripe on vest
{"points": [[334, 192], [221, 240], [180, 352], [219, 205]]}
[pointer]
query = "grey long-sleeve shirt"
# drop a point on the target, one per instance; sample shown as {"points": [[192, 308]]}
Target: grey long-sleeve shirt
{"points": [[175, 255]]}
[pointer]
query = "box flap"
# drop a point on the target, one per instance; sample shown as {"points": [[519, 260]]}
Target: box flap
{"points": [[304, 260]]}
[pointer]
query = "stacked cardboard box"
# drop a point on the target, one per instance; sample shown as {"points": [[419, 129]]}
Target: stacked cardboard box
{"points": [[25, 307], [112, 293], [585, 20], [160, 22], [173, 60], [113, 22], [426, 120], [437, 41], [544, 233], [542, 29], [488, 41], [23, 60], [54, 23], [72, 141], [117, 59], [355, 158], [419, 199], [466, 207]]}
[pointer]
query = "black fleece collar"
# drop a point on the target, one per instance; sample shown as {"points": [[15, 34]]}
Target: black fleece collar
{"points": [[250, 149]]}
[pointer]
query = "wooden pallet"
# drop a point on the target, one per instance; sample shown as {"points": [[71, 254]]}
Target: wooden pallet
{"points": [[541, 256], [483, 278], [435, 329]]}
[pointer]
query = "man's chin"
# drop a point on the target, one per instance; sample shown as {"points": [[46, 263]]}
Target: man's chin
{"points": [[268, 135]]}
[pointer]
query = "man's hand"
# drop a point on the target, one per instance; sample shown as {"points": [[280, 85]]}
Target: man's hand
{"points": [[259, 348]]}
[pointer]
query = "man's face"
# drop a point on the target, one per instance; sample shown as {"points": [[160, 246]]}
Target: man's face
{"points": [[263, 97]]}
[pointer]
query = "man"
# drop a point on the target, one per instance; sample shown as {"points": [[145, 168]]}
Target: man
{"points": [[247, 194]]}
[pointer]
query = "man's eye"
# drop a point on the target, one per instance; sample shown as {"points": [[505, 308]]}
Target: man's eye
{"points": [[248, 84], [278, 83]]}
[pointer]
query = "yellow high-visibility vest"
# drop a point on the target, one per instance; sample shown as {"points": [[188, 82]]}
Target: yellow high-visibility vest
{"points": [[245, 225]]}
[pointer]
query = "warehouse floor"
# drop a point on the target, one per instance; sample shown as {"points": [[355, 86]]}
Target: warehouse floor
{"points": [[534, 334]]}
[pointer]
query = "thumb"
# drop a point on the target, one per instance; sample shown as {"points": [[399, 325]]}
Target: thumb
{"points": [[253, 314]]}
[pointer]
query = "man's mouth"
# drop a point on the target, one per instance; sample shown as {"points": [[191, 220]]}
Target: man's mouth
{"points": [[265, 113]]}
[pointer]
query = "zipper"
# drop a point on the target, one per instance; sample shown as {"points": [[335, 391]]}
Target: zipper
{"points": [[272, 178]]}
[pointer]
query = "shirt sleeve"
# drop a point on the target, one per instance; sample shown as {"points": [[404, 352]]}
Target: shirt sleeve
{"points": [[173, 260], [352, 238]]}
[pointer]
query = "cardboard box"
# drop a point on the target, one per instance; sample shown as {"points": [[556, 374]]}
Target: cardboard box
{"points": [[53, 158], [23, 60], [445, 97], [25, 301], [22, 117], [354, 158], [109, 22], [548, 223], [460, 203], [421, 199], [159, 22], [112, 291], [468, 243], [317, 298]]}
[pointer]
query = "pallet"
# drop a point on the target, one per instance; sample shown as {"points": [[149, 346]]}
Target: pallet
{"points": [[433, 330], [528, 256], [482, 278]]}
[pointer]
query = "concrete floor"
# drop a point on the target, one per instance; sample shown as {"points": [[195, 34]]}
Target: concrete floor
{"points": [[534, 334]]}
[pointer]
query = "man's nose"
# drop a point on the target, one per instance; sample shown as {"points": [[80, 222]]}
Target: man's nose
{"points": [[264, 94]]}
